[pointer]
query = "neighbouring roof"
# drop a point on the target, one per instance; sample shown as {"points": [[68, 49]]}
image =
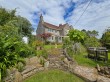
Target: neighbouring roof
{"points": [[48, 25]]}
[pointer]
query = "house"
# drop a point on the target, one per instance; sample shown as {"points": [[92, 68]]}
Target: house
{"points": [[58, 32]]}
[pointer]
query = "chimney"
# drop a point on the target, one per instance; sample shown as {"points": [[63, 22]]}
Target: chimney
{"points": [[60, 25], [41, 18]]}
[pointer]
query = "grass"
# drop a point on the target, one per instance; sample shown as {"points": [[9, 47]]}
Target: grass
{"points": [[54, 76], [83, 60], [39, 52], [51, 46]]}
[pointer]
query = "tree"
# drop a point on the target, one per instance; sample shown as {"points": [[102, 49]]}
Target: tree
{"points": [[92, 42], [106, 38], [12, 48], [76, 37], [45, 36], [23, 25], [92, 33], [9, 17], [89, 33], [6, 16]]}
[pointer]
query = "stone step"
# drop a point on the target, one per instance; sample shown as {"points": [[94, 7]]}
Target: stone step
{"points": [[30, 71]]}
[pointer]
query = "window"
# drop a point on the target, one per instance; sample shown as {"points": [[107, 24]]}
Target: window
{"points": [[52, 37], [52, 30], [48, 29]]}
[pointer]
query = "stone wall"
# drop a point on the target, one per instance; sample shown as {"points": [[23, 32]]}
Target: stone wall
{"points": [[61, 62], [88, 74], [32, 67]]}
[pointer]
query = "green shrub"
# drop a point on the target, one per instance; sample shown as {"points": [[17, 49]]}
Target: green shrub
{"points": [[20, 66], [47, 42], [92, 42], [76, 50], [66, 43], [12, 48], [37, 43], [0, 75], [42, 61], [44, 54], [105, 40]]}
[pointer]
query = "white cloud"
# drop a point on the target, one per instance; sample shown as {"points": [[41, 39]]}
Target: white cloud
{"points": [[97, 16]]}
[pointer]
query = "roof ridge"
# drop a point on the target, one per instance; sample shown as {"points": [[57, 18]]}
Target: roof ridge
{"points": [[51, 24]]}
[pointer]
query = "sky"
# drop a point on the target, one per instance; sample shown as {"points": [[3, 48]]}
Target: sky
{"points": [[96, 16]]}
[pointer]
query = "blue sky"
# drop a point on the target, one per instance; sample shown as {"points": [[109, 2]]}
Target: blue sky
{"points": [[96, 17]]}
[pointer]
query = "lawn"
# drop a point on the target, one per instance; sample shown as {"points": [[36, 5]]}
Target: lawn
{"points": [[54, 76], [83, 60]]}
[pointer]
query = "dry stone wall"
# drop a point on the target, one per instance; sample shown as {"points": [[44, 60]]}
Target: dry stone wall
{"points": [[62, 62]]}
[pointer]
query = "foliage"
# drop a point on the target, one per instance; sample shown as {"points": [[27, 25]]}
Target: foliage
{"points": [[48, 49], [0, 75], [92, 42], [31, 40], [106, 38], [8, 17], [54, 76], [76, 35], [11, 52], [37, 43], [42, 61], [24, 26], [20, 66], [89, 33], [66, 42], [12, 48], [92, 33], [76, 49], [48, 42], [44, 54], [45, 36]]}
